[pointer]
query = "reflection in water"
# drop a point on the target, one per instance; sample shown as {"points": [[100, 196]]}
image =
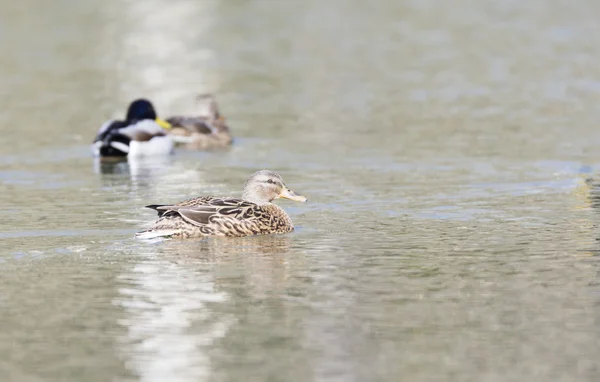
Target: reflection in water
{"points": [[176, 304], [264, 258], [222, 248], [111, 167], [168, 320], [165, 303], [142, 172], [267, 299]]}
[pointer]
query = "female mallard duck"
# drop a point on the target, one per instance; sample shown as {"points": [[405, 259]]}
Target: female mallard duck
{"points": [[141, 134], [253, 214], [206, 131]]}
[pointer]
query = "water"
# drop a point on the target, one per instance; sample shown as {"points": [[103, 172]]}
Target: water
{"points": [[444, 147]]}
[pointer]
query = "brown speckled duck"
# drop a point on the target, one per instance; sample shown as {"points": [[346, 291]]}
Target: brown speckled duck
{"points": [[206, 131], [253, 214]]}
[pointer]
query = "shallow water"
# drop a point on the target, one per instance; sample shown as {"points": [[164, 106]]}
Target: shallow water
{"points": [[444, 147]]}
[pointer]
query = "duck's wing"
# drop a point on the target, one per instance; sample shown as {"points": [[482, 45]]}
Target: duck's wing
{"points": [[205, 210], [107, 128], [208, 120], [103, 130], [109, 142], [199, 201], [191, 125]]}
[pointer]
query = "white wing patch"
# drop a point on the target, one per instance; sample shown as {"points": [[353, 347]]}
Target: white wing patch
{"points": [[146, 126], [120, 146]]}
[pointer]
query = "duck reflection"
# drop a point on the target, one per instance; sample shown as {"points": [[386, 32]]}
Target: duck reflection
{"points": [[169, 320], [223, 249], [183, 298], [113, 167], [139, 171]]}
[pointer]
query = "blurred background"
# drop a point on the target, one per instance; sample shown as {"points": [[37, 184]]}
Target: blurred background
{"points": [[448, 150]]}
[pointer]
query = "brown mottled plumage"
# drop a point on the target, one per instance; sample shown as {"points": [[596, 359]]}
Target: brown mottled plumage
{"points": [[203, 216], [206, 131]]}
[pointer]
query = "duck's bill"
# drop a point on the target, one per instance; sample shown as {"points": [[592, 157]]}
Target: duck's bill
{"points": [[162, 123], [291, 195]]}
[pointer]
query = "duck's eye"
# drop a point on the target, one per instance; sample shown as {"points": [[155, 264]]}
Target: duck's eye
{"points": [[270, 181]]}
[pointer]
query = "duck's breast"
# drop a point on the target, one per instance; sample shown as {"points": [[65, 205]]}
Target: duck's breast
{"points": [[155, 146]]}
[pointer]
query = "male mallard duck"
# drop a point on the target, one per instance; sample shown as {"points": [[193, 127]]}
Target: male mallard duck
{"points": [[142, 133], [208, 130], [253, 214]]}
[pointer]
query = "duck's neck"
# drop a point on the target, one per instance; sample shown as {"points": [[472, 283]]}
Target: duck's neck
{"points": [[254, 199]]}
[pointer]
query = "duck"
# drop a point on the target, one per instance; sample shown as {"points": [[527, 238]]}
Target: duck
{"points": [[141, 134], [206, 131], [206, 216]]}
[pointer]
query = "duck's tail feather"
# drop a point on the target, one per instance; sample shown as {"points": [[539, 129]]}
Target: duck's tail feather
{"points": [[155, 207]]}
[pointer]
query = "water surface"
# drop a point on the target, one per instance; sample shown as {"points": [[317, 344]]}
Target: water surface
{"points": [[444, 148]]}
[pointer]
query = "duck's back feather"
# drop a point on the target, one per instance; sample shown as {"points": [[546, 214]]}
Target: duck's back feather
{"points": [[200, 133], [190, 125]]}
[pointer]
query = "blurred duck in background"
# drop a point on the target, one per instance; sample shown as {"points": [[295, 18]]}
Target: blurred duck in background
{"points": [[205, 131], [141, 134]]}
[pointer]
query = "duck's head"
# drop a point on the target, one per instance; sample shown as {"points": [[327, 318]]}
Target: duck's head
{"points": [[264, 186], [142, 109], [207, 107]]}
